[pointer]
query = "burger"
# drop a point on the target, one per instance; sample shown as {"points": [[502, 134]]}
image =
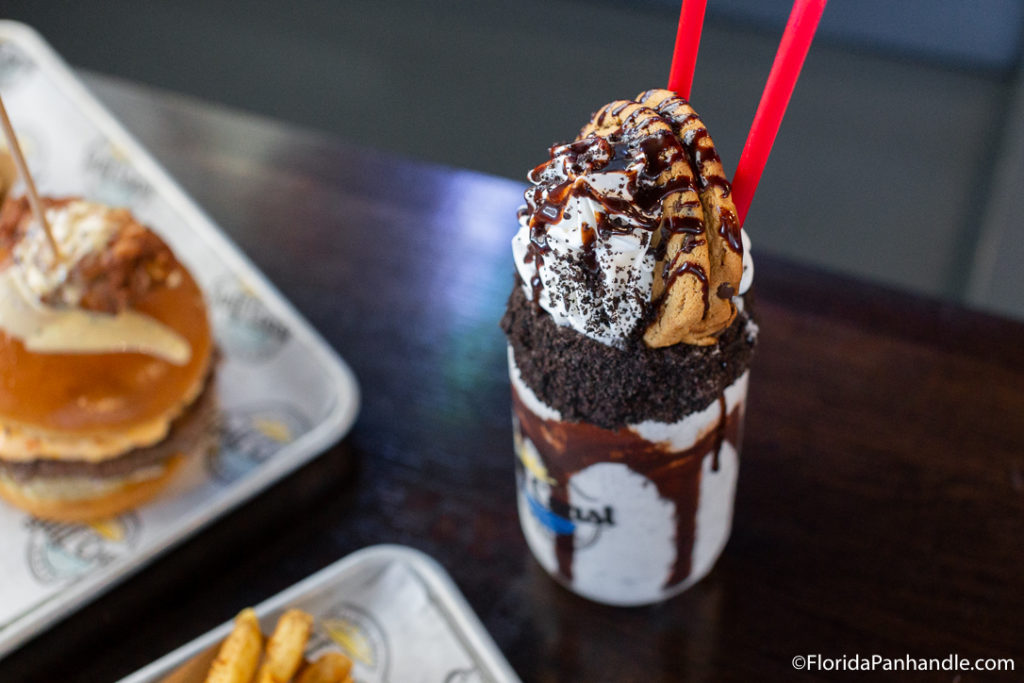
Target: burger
{"points": [[106, 357]]}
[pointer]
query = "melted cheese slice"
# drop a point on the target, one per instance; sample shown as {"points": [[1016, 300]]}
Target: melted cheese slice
{"points": [[46, 329]]}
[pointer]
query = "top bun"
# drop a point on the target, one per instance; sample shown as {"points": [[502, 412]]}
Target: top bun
{"points": [[55, 393]]}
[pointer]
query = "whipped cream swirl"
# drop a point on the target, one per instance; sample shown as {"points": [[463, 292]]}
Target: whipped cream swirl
{"points": [[585, 246]]}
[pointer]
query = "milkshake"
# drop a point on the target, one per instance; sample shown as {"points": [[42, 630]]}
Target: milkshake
{"points": [[630, 334]]}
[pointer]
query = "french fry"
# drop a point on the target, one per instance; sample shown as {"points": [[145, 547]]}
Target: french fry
{"points": [[286, 647], [330, 667], [240, 653]]}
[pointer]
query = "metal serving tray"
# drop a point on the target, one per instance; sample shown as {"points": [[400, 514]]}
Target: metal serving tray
{"points": [[393, 610], [286, 396]]}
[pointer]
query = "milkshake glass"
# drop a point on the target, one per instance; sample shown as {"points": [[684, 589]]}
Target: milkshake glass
{"points": [[629, 345]]}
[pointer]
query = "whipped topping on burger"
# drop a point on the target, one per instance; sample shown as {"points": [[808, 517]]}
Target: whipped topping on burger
{"points": [[80, 228]]}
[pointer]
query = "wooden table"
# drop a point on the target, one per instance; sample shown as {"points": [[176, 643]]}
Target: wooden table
{"points": [[881, 498]]}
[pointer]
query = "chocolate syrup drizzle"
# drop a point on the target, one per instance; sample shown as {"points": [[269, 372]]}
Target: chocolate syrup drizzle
{"points": [[571, 447], [689, 268], [642, 159], [699, 150]]}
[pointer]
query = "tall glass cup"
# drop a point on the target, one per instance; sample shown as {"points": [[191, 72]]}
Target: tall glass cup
{"points": [[630, 516]]}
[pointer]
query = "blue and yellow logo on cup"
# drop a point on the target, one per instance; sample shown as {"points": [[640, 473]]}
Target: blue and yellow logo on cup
{"points": [[583, 520]]}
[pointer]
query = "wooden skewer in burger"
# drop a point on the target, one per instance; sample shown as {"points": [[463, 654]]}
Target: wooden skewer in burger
{"points": [[106, 355]]}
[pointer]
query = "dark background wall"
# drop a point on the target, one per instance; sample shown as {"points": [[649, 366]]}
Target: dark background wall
{"points": [[900, 158]]}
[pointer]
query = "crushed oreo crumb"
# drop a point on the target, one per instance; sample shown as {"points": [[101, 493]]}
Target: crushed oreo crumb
{"points": [[587, 381]]}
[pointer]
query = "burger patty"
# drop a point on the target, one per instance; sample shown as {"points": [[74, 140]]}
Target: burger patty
{"points": [[197, 425]]}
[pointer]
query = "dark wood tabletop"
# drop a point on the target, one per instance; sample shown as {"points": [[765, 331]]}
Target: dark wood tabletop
{"points": [[880, 503]]}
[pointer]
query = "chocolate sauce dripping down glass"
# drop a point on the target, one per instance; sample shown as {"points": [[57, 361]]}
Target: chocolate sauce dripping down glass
{"points": [[570, 447], [719, 432]]}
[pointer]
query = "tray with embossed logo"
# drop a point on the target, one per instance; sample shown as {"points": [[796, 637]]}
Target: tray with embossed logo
{"points": [[392, 610], [284, 395]]}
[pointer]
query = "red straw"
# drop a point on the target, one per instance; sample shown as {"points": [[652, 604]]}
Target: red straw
{"points": [[796, 41], [684, 57]]}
